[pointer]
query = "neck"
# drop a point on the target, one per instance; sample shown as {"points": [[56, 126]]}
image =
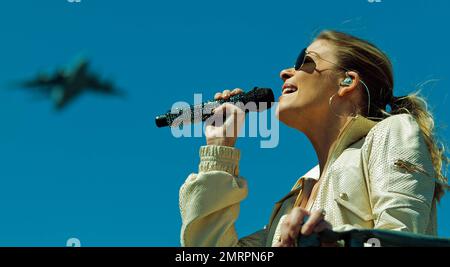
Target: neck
{"points": [[322, 133]]}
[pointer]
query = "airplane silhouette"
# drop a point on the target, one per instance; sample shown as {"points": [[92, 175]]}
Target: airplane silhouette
{"points": [[64, 86]]}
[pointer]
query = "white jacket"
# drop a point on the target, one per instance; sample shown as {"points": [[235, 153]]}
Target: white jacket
{"points": [[378, 175]]}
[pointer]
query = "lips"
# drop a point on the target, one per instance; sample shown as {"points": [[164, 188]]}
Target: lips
{"points": [[289, 89]]}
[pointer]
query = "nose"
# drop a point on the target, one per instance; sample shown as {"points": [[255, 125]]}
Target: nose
{"points": [[287, 73]]}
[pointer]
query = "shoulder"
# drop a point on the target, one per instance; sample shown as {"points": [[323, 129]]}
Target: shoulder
{"points": [[400, 127], [396, 135]]}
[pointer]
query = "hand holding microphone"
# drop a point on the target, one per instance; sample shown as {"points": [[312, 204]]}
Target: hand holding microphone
{"points": [[226, 133]]}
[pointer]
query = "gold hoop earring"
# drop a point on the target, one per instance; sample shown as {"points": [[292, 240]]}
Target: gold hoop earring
{"points": [[340, 116]]}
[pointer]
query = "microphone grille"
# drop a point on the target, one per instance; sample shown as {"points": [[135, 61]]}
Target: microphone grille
{"points": [[261, 95]]}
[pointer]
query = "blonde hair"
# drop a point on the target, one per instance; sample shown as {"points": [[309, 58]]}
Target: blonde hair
{"points": [[375, 68]]}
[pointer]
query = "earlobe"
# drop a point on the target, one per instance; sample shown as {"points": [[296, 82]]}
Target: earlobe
{"points": [[342, 91]]}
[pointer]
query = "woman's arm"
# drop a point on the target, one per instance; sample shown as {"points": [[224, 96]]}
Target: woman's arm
{"points": [[209, 201], [400, 180]]}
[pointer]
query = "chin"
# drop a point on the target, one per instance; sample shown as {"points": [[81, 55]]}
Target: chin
{"points": [[280, 113], [277, 112], [283, 115]]}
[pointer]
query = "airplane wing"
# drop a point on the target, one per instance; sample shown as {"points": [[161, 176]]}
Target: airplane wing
{"points": [[80, 70], [44, 81], [104, 87], [61, 97]]}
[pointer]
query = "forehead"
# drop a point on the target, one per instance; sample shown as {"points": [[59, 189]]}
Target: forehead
{"points": [[323, 49]]}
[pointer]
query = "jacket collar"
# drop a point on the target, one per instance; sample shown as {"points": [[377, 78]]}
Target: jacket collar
{"points": [[353, 130]]}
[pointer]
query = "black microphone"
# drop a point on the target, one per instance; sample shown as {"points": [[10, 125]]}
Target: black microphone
{"points": [[203, 111]]}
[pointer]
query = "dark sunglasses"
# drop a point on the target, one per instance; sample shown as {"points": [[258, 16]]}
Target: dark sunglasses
{"points": [[305, 62]]}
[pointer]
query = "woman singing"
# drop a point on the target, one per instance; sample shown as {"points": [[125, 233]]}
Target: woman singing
{"points": [[378, 168]]}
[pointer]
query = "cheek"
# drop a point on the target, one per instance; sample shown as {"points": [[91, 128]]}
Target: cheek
{"points": [[305, 95], [311, 93]]}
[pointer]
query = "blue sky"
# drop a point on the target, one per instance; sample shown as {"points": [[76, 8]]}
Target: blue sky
{"points": [[102, 172]]}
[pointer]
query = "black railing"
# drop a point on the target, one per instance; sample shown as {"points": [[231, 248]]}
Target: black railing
{"points": [[375, 238]]}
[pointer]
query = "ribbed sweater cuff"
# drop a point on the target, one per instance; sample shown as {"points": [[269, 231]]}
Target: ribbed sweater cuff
{"points": [[219, 158]]}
